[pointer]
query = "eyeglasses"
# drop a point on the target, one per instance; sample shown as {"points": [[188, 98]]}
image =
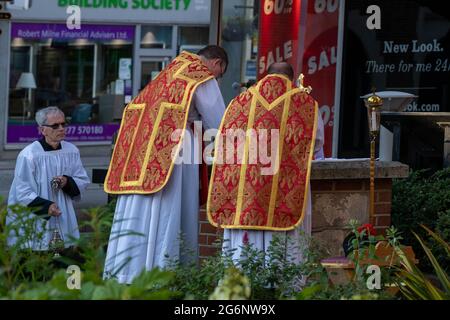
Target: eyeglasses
{"points": [[55, 125]]}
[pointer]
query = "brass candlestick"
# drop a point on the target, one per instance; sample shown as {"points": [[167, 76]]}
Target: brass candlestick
{"points": [[373, 104]]}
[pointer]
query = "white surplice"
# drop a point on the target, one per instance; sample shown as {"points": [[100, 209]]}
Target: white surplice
{"points": [[34, 170], [147, 229], [234, 239]]}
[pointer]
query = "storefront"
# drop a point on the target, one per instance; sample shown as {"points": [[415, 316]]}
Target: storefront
{"points": [[303, 33], [408, 54], [90, 60], [343, 57], [90, 72]]}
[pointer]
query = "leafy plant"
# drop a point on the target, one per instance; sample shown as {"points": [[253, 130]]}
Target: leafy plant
{"points": [[18, 262], [152, 285], [233, 286], [423, 198], [362, 249], [28, 274], [274, 275], [280, 272], [413, 284], [198, 281]]}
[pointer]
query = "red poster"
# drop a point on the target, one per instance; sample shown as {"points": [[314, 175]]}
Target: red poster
{"points": [[320, 57], [278, 33]]}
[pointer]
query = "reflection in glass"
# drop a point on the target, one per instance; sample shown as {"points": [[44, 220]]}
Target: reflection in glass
{"points": [[150, 70], [156, 37]]}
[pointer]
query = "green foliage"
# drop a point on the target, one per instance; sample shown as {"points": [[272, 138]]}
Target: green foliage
{"points": [[197, 281], [27, 274], [276, 274], [18, 263], [414, 285], [423, 198], [92, 245], [272, 275], [233, 286], [319, 286], [152, 285], [361, 248]]}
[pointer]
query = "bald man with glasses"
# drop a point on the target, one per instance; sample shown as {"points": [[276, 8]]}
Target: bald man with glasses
{"points": [[48, 176]]}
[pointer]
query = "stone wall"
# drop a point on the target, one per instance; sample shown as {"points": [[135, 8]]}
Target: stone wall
{"points": [[336, 202]]}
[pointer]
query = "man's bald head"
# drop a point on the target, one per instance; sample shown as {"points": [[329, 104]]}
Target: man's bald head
{"points": [[282, 68]]}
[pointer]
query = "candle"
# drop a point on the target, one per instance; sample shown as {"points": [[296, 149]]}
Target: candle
{"points": [[374, 121]]}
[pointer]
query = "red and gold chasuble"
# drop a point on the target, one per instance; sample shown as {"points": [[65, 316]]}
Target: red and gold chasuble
{"points": [[240, 196], [142, 159]]}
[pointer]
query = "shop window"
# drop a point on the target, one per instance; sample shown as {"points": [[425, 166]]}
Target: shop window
{"points": [[114, 78], [239, 36], [149, 71], [88, 78], [64, 75], [193, 35], [20, 63], [156, 37], [111, 58], [420, 67]]}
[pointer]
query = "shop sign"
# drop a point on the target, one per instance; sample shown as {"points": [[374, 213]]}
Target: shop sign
{"points": [[320, 58], [133, 4], [278, 33], [40, 31], [410, 53], [279, 41], [121, 11], [74, 133]]}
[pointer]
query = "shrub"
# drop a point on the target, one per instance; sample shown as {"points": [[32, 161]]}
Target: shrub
{"points": [[272, 276], [423, 198], [414, 285], [27, 274], [18, 263]]}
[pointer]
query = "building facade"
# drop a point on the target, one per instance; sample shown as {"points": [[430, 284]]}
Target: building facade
{"points": [[92, 72], [89, 58], [345, 48]]}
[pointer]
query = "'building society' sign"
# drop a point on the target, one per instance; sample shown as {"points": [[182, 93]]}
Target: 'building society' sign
{"points": [[134, 11], [124, 4]]}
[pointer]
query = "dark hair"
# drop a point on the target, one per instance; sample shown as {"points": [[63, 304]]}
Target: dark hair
{"points": [[283, 68], [214, 52]]}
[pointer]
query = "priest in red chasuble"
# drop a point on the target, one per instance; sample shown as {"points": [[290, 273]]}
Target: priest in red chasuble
{"points": [[260, 181], [158, 200]]}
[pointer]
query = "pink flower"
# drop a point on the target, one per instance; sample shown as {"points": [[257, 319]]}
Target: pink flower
{"points": [[245, 238]]}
